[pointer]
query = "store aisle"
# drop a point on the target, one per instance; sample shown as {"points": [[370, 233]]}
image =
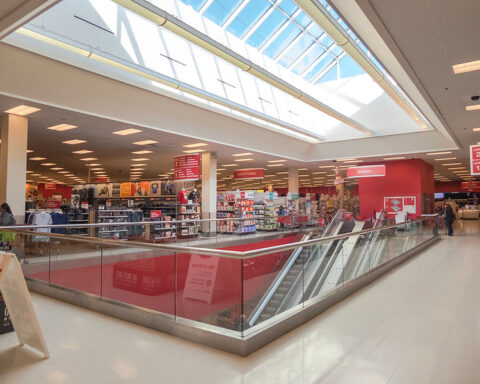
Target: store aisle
{"points": [[419, 324]]}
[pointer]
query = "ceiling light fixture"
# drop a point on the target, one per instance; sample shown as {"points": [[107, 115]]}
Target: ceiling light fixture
{"points": [[446, 158], [145, 142], [451, 164], [22, 110], [62, 127], [47, 164], [56, 169], [142, 152], [194, 151], [195, 145], [275, 165], [276, 161], [89, 159], [326, 166], [394, 158], [438, 153], [229, 165], [242, 154], [29, 150], [82, 152], [141, 159], [249, 159], [126, 132], [472, 107], [37, 158], [74, 141], [466, 67]]}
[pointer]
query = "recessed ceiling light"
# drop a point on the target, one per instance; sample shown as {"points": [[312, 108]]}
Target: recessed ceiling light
{"points": [[43, 177], [282, 173], [138, 165], [126, 132], [96, 169], [93, 165], [29, 172], [36, 174], [145, 142], [249, 159], [476, 129], [275, 165], [63, 172], [456, 168], [394, 158], [194, 151], [37, 158], [451, 164], [29, 150], [195, 145], [47, 164], [62, 127], [438, 153], [276, 161], [56, 169], [140, 159], [89, 159], [353, 161], [446, 158], [318, 173], [74, 141], [229, 165], [472, 107], [82, 152], [326, 166], [466, 67], [242, 154], [142, 152], [22, 110]]}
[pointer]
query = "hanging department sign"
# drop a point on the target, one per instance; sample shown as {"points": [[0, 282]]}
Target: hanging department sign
{"points": [[366, 171], [251, 173], [186, 167], [475, 159]]}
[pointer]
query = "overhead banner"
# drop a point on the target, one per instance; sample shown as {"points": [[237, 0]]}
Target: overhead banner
{"points": [[186, 167], [475, 159], [251, 173], [471, 186], [366, 171]]}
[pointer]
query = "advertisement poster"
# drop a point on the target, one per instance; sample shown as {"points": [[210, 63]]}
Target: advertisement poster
{"points": [[403, 203], [168, 188], [102, 191], [187, 167], [156, 188], [126, 189], [141, 188], [201, 276]]}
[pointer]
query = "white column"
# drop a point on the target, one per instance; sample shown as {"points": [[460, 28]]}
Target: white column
{"points": [[13, 163], [209, 190], [293, 180]]}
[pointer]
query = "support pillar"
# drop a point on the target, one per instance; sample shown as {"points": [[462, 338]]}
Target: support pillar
{"points": [[209, 191], [293, 180], [13, 163]]}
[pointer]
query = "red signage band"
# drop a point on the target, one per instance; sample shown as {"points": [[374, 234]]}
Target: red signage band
{"points": [[50, 186], [475, 159], [252, 173], [186, 161], [366, 171], [470, 184]]}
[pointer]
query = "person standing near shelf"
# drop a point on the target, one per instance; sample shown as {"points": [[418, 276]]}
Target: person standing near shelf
{"points": [[7, 220]]}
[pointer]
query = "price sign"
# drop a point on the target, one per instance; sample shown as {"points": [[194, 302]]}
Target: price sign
{"points": [[475, 159]]}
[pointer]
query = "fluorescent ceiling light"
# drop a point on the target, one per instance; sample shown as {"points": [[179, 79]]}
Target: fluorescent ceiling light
{"points": [[456, 168], [249, 159], [394, 158], [242, 154], [140, 159], [303, 169], [326, 166], [142, 152], [472, 107], [275, 165], [438, 153], [353, 161], [451, 164], [56, 169], [446, 158], [29, 150], [221, 169], [126, 132], [96, 169], [138, 165], [82, 152], [318, 173], [74, 141], [89, 159], [62, 127], [229, 165], [145, 142], [195, 145], [22, 110], [47, 164], [29, 172], [276, 161], [36, 174], [194, 151], [63, 172], [92, 165], [466, 67], [476, 129], [43, 177], [37, 158]]}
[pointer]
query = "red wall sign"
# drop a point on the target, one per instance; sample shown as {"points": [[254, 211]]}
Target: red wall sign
{"points": [[50, 186], [53, 204], [471, 186], [186, 167], [366, 171], [252, 173], [99, 180], [475, 159]]}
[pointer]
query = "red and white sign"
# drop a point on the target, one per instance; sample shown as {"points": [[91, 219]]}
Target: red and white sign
{"points": [[471, 186], [399, 204], [53, 204], [186, 167], [99, 179], [321, 222], [252, 173], [201, 276], [50, 186], [155, 214], [475, 159], [366, 171]]}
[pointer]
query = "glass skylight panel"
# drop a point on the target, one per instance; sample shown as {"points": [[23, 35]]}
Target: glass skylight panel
{"points": [[288, 6], [282, 41], [195, 4], [319, 67], [303, 19], [296, 50], [272, 23], [220, 10], [307, 60], [248, 17]]}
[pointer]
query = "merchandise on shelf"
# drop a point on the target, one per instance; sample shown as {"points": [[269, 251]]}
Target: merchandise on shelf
{"points": [[232, 205], [186, 216]]}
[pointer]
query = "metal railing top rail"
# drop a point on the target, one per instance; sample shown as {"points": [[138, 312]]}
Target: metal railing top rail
{"points": [[210, 251], [147, 222]]}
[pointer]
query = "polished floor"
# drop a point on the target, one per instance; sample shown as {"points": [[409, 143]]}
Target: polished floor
{"points": [[419, 324]]}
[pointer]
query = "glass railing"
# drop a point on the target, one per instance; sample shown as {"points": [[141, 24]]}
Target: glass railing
{"points": [[238, 286]]}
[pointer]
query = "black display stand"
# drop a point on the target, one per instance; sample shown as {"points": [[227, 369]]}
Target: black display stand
{"points": [[6, 325]]}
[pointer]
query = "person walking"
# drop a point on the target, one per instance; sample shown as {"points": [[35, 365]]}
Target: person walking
{"points": [[449, 217]]}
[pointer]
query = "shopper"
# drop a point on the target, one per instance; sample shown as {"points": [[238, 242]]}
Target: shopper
{"points": [[6, 220], [449, 217], [438, 219]]}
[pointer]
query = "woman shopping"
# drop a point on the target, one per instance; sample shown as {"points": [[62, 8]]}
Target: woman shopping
{"points": [[6, 220]]}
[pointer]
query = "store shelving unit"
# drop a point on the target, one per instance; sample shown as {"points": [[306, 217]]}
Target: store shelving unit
{"points": [[244, 209], [110, 217], [185, 214], [163, 230], [226, 209], [270, 221]]}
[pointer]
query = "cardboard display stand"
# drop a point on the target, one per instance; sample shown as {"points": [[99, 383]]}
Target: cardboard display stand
{"points": [[19, 304]]}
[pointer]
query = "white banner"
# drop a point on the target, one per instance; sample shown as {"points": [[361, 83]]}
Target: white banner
{"points": [[201, 276], [19, 303]]}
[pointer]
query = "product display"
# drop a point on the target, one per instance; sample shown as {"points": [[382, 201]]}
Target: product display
{"points": [[236, 205], [186, 216]]}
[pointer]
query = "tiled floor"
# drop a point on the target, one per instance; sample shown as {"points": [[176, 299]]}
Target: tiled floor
{"points": [[419, 324]]}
